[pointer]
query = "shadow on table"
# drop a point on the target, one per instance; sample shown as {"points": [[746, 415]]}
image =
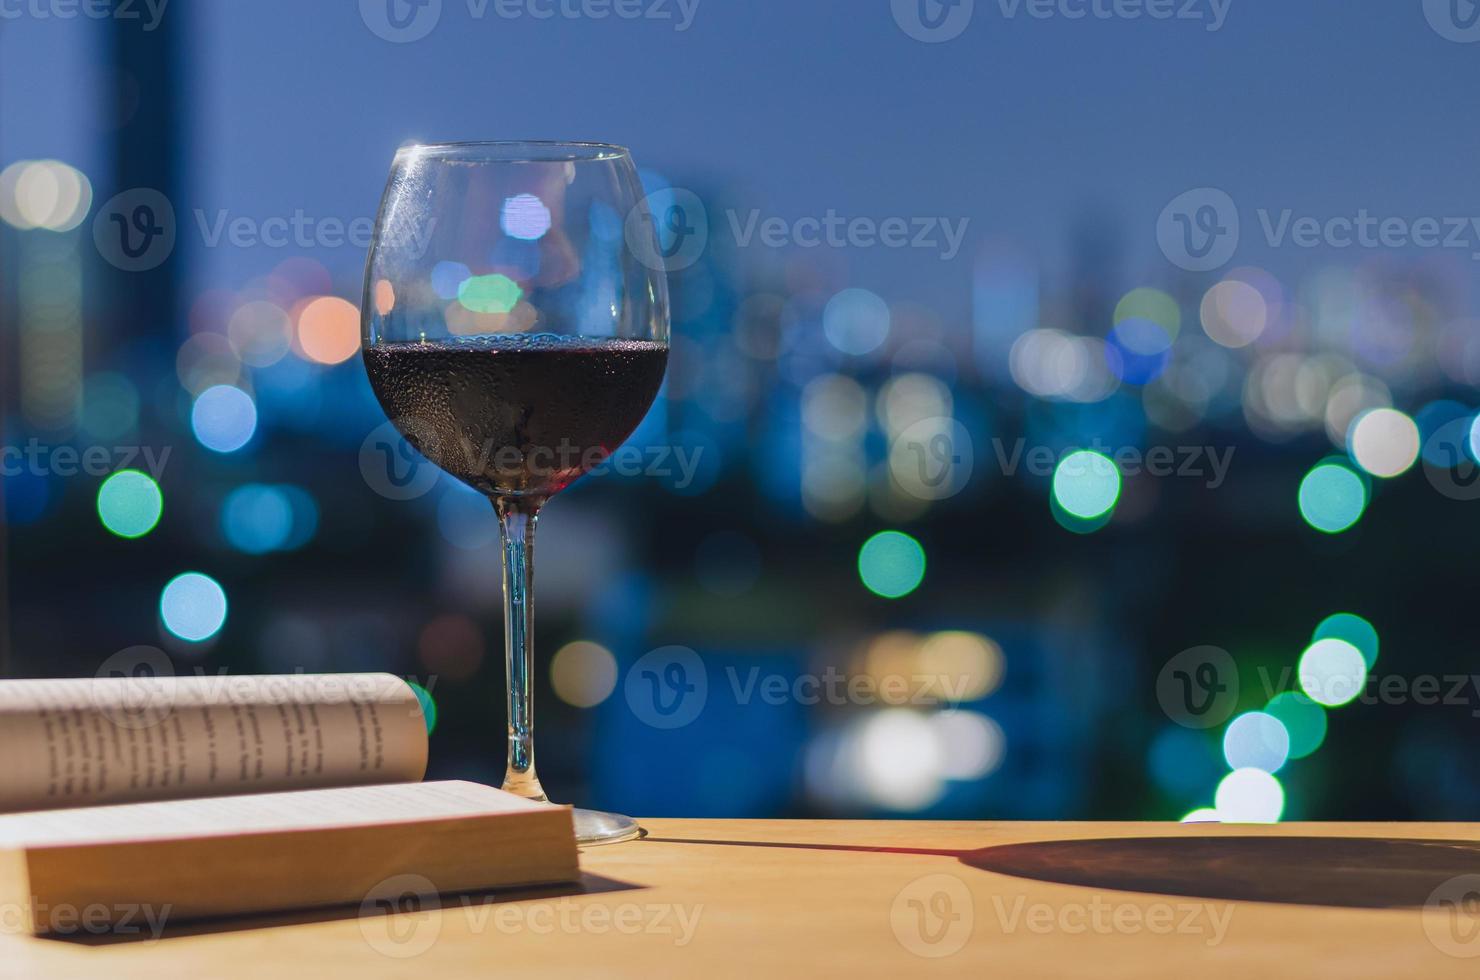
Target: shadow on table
{"points": [[1349, 872], [408, 907]]}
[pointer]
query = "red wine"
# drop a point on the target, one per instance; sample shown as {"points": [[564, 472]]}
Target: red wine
{"points": [[519, 414]]}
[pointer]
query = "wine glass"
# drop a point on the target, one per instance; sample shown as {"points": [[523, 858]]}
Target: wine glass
{"points": [[515, 326]]}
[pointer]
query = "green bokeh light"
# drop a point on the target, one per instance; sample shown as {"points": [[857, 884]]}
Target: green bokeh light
{"points": [[891, 564], [1086, 484], [129, 503], [428, 705], [489, 294], [1303, 719], [1332, 497], [1354, 630], [1146, 303]]}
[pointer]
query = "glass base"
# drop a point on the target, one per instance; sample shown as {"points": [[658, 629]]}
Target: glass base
{"points": [[596, 827]]}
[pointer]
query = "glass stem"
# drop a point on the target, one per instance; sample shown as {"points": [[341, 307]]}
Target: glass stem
{"points": [[516, 521]]}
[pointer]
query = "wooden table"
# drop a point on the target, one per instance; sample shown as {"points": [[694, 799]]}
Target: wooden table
{"points": [[716, 898]]}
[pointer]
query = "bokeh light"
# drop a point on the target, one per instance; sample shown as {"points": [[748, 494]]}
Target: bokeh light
{"points": [[495, 293], [1145, 303], [1354, 630], [45, 194], [1384, 442], [428, 705], [129, 503], [583, 673], [193, 606], [1234, 313], [891, 564], [1332, 672], [1256, 740], [972, 745], [258, 518], [1249, 796], [856, 321], [1304, 721], [329, 330], [524, 216], [224, 418], [1086, 484], [1332, 498]]}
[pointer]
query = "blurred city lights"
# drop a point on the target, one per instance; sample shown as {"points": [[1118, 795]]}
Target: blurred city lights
{"points": [[223, 418], [525, 217], [495, 293], [970, 662], [1304, 721], [258, 518], [129, 503], [891, 564], [329, 330], [1384, 442], [260, 333], [856, 321], [1146, 303], [900, 758], [1354, 630], [1138, 350], [193, 606], [972, 745], [1255, 740], [1332, 498], [1201, 815], [583, 673], [1249, 796], [1332, 672], [44, 194], [1234, 313], [1086, 484]]}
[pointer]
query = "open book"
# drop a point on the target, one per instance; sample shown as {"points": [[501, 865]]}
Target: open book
{"points": [[190, 797]]}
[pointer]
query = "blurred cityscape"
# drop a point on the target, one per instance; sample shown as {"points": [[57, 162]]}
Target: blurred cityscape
{"points": [[1118, 535]]}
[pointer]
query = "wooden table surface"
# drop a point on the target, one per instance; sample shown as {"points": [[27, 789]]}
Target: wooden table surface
{"points": [[716, 898]]}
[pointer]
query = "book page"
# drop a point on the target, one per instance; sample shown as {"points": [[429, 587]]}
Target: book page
{"points": [[68, 743], [260, 813]]}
